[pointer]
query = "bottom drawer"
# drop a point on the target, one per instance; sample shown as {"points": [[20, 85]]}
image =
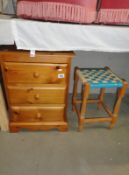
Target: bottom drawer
{"points": [[45, 113]]}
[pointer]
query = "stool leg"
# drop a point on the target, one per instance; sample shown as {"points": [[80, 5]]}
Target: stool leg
{"points": [[85, 94], [121, 93], [101, 97], [76, 78]]}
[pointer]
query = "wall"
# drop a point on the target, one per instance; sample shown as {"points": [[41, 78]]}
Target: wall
{"points": [[9, 6], [118, 62]]}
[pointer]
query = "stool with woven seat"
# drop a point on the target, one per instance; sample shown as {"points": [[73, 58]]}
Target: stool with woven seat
{"points": [[92, 78]]}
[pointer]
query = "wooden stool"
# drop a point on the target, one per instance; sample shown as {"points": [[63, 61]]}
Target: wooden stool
{"points": [[101, 78]]}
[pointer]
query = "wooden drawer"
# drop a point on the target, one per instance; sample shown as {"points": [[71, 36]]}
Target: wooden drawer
{"points": [[35, 73], [45, 113], [37, 94]]}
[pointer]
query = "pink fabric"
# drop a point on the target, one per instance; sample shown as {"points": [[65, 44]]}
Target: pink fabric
{"points": [[75, 2], [114, 12], [78, 11]]}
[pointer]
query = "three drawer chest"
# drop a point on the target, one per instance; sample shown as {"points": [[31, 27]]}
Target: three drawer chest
{"points": [[36, 89]]}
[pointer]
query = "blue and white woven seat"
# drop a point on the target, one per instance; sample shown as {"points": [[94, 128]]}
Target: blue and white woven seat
{"points": [[99, 77]]}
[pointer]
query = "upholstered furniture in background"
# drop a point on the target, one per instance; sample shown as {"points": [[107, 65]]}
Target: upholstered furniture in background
{"points": [[77, 11], [113, 12]]}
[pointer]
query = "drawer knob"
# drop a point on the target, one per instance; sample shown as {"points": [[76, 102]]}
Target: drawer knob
{"points": [[6, 68], [38, 116], [35, 74], [36, 96], [57, 67]]}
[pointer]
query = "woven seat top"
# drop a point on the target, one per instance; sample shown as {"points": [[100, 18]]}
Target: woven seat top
{"points": [[99, 77]]}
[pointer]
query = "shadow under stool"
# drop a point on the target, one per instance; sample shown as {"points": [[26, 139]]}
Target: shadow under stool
{"points": [[92, 78]]}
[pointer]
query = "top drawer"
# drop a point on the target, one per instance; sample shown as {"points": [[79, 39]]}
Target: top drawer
{"points": [[35, 73]]}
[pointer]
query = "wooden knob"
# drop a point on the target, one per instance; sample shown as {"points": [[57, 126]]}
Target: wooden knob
{"points": [[36, 96], [38, 115], [6, 68], [58, 68], [35, 74]]}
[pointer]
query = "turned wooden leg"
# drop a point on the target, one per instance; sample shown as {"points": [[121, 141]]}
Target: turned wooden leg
{"points": [[85, 95], [101, 97], [76, 78], [121, 93]]}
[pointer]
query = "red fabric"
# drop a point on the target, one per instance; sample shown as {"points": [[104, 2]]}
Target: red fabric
{"points": [[115, 4], [77, 11], [75, 2], [114, 12]]}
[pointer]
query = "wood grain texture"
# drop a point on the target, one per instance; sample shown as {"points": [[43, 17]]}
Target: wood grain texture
{"points": [[43, 113], [40, 57], [35, 73], [36, 94]]}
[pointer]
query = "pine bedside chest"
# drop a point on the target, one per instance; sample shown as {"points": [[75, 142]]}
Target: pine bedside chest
{"points": [[36, 89]]}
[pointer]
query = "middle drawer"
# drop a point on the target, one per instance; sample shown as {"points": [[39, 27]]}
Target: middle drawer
{"points": [[33, 94]]}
